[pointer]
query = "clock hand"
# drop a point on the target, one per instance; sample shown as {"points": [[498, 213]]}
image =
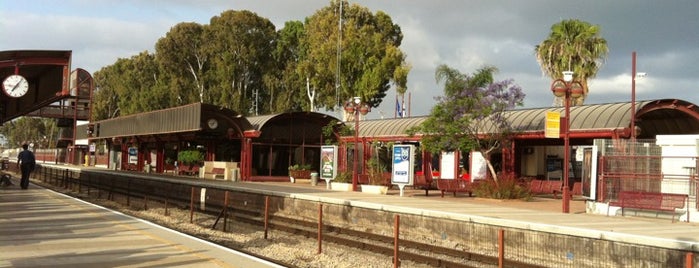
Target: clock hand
{"points": [[14, 87]]}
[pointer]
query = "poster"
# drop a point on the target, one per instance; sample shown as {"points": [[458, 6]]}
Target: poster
{"points": [[447, 166], [133, 155], [403, 162], [479, 168], [328, 162]]}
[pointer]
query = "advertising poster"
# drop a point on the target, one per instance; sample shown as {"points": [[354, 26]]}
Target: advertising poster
{"points": [[328, 162], [403, 159], [479, 168], [448, 164], [133, 155]]}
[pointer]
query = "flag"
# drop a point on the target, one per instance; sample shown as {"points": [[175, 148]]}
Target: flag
{"points": [[399, 111]]}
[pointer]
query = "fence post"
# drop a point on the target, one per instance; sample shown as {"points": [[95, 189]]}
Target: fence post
{"points": [[501, 248], [191, 207], [266, 215], [320, 228], [689, 260], [396, 240]]}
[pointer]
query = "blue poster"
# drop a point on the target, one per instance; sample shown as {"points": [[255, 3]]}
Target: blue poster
{"points": [[403, 157]]}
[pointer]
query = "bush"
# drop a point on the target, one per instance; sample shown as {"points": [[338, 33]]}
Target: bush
{"points": [[504, 188], [343, 176], [190, 157]]}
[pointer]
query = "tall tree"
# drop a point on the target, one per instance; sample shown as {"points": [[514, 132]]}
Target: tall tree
{"points": [[286, 84], [471, 114], [369, 59], [572, 45], [130, 86], [183, 54], [241, 47]]}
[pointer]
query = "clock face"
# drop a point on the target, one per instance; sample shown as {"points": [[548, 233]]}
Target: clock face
{"points": [[15, 86], [213, 123]]}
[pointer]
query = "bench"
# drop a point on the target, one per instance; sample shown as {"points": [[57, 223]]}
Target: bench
{"points": [[454, 186], [650, 201], [216, 173], [188, 170], [545, 187], [421, 181]]}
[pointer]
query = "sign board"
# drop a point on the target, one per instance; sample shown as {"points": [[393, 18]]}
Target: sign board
{"points": [[133, 155], [448, 165], [479, 168], [553, 125], [403, 164], [328, 162]]}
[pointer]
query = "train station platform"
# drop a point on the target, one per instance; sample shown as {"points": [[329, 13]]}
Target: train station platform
{"points": [[32, 219], [42, 228]]}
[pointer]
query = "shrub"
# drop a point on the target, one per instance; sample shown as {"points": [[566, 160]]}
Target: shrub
{"points": [[343, 176], [504, 188]]}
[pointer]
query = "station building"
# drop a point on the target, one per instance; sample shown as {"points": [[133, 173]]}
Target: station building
{"points": [[262, 148]]}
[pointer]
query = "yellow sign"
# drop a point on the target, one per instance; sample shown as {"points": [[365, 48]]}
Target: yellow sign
{"points": [[553, 125]]}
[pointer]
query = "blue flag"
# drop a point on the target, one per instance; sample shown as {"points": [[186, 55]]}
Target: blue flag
{"points": [[399, 111]]}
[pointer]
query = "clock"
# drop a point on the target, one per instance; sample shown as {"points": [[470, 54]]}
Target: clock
{"points": [[15, 86], [212, 123]]}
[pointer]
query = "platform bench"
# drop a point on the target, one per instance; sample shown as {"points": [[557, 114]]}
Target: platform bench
{"points": [[454, 186], [545, 187], [188, 170], [216, 173], [650, 201]]}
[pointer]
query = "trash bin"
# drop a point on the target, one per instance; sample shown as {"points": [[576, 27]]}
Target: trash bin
{"points": [[314, 178], [234, 174]]}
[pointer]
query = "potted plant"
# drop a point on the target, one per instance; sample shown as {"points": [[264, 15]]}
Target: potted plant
{"points": [[342, 181], [299, 172], [192, 159]]}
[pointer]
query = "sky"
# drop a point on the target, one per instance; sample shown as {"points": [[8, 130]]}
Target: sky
{"points": [[464, 35]]}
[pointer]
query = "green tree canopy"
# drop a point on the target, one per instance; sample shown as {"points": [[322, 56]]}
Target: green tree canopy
{"points": [[369, 55], [239, 61], [572, 45]]}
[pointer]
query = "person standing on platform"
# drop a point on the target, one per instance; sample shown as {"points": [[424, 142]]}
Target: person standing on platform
{"points": [[26, 163]]}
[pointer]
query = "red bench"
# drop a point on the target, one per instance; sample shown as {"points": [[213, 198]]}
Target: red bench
{"points": [[188, 170], [650, 201], [217, 173], [545, 187], [454, 186]]}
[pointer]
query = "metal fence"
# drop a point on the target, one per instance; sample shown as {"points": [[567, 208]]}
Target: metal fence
{"points": [[641, 166]]}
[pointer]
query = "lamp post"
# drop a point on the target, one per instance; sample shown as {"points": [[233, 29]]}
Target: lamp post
{"points": [[567, 88], [356, 107]]}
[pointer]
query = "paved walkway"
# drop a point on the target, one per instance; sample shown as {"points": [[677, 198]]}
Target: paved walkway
{"points": [[41, 228]]}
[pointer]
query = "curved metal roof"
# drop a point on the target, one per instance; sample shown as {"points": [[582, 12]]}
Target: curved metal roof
{"points": [[667, 116], [258, 122], [387, 127]]}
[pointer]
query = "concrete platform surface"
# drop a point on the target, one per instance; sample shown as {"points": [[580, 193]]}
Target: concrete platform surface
{"points": [[41, 228]]}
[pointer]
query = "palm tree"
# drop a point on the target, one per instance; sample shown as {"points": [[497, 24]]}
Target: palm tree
{"points": [[572, 45]]}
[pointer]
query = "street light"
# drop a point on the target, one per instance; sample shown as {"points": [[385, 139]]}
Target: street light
{"points": [[567, 88], [356, 107]]}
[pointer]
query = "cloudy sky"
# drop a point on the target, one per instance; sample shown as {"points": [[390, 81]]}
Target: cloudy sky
{"points": [[462, 34]]}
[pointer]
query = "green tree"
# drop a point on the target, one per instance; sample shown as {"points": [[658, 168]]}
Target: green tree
{"points": [[471, 114], [183, 54], [369, 59], [130, 86], [241, 47], [42, 132], [572, 45], [288, 87]]}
